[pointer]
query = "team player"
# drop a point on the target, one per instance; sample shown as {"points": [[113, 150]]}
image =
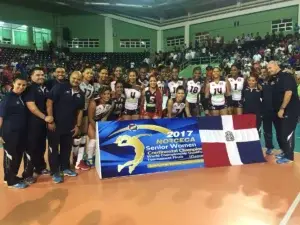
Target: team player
{"points": [[178, 106], [102, 80], [133, 91], [79, 142], [193, 92], [118, 71], [162, 84], [236, 85], [118, 101], [99, 110], [151, 100], [252, 99], [217, 94], [143, 76], [175, 82]]}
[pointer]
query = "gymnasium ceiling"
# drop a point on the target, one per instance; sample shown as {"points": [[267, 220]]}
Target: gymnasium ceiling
{"points": [[154, 11]]}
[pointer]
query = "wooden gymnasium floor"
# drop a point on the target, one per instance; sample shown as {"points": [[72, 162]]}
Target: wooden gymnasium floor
{"points": [[257, 194]]}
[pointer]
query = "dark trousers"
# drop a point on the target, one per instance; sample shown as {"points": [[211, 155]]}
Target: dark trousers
{"points": [[285, 132], [35, 151], [268, 129], [14, 148], [59, 159]]}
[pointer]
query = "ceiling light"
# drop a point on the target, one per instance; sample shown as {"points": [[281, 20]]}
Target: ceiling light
{"points": [[96, 3], [62, 3], [134, 6]]}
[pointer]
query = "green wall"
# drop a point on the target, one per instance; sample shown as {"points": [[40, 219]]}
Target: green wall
{"points": [[25, 16], [86, 26], [251, 23], [171, 33], [123, 30]]}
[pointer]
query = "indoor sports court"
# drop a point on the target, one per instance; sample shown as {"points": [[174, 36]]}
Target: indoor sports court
{"points": [[187, 46], [252, 194]]}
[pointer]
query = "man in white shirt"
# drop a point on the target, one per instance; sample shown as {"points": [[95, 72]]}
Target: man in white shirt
{"points": [[256, 57]]}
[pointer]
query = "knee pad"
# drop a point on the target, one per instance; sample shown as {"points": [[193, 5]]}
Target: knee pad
{"points": [[82, 141], [76, 142]]}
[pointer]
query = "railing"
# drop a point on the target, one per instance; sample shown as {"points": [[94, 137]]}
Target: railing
{"points": [[201, 60]]}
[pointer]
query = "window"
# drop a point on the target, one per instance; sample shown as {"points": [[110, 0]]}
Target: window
{"points": [[135, 43], [282, 25], [83, 43], [202, 36], [41, 37], [175, 41]]}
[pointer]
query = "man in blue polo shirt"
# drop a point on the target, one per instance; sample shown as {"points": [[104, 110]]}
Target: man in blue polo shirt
{"points": [[65, 103], [286, 105]]}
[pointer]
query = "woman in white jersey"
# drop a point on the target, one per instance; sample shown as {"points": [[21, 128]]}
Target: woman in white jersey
{"points": [[79, 142], [193, 90], [178, 106], [217, 94], [99, 110], [102, 80], [236, 85], [133, 91], [175, 82]]}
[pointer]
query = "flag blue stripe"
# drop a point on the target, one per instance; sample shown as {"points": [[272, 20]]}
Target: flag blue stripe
{"points": [[250, 152], [210, 123]]}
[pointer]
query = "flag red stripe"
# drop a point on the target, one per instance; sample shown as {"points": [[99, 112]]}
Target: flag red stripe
{"points": [[215, 155], [246, 121]]}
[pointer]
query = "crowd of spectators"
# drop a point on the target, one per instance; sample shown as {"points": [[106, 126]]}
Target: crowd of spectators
{"points": [[244, 50]]}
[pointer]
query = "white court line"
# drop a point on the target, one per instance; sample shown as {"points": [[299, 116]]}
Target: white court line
{"points": [[290, 211]]}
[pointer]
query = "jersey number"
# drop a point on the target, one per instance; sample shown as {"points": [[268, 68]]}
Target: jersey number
{"points": [[219, 90], [88, 93], [132, 94], [235, 86], [174, 89], [194, 90]]}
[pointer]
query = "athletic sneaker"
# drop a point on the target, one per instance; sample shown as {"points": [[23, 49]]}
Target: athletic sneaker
{"points": [[70, 173], [269, 151], [284, 161], [90, 162], [30, 180], [43, 172], [82, 166], [279, 156], [57, 178], [20, 185]]}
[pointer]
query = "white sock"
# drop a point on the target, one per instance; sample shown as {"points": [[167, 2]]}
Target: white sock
{"points": [[91, 148], [81, 149], [75, 146]]}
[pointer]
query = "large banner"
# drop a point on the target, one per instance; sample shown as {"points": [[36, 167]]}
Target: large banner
{"points": [[149, 146]]}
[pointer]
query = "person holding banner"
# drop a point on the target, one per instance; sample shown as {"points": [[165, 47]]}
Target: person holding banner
{"points": [[178, 105], [99, 110], [151, 100], [217, 94], [133, 91]]}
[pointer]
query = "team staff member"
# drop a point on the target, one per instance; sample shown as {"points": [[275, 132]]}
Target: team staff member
{"points": [[65, 103], [286, 105], [252, 99], [35, 99], [60, 77], [267, 110], [12, 130]]}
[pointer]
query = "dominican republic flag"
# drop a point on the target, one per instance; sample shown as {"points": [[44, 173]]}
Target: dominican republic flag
{"points": [[230, 140]]}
